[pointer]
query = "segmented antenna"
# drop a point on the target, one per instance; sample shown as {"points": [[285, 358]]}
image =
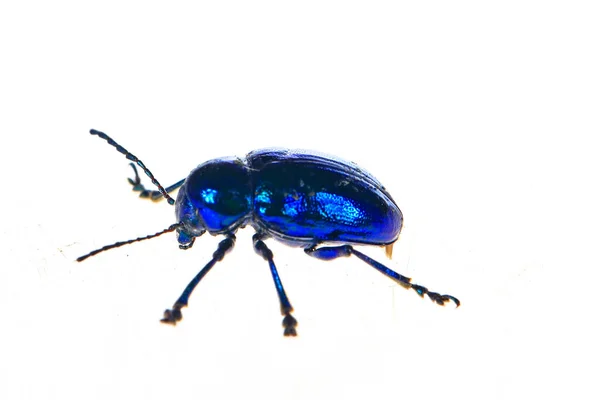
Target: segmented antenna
{"points": [[136, 160], [119, 244]]}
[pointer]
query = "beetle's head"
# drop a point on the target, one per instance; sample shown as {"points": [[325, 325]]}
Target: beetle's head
{"points": [[216, 197]]}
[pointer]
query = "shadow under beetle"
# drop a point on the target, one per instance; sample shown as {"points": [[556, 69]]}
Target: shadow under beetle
{"points": [[303, 199]]}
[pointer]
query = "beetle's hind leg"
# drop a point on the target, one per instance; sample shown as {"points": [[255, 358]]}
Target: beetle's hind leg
{"points": [[289, 323], [154, 195], [332, 252]]}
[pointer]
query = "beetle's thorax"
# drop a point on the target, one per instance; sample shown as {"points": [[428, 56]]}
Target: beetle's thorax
{"points": [[216, 197]]}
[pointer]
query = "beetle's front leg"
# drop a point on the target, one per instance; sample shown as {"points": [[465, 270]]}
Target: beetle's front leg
{"points": [[139, 163], [173, 315], [154, 195]]}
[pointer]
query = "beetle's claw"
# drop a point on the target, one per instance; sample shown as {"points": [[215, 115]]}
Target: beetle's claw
{"points": [[447, 297], [443, 299], [437, 298]]}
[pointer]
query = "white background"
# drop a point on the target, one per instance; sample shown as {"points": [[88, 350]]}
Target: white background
{"points": [[480, 118]]}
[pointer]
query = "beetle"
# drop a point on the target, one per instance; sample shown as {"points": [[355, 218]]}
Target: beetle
{"points": [[304, 199]]}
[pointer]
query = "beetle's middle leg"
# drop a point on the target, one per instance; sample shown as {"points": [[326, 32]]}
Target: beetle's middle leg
{"points": [[332, 252], [289, 322]]}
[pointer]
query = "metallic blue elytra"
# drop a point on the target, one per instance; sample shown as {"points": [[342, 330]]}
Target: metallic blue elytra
{"points": [[303, 199]]}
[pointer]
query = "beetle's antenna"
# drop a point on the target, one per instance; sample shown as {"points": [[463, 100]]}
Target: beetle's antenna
{"points": [[119, 244], [136, 160]]}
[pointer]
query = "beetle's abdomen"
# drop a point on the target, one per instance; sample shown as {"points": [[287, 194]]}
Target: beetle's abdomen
{"points": [[306, 200]]}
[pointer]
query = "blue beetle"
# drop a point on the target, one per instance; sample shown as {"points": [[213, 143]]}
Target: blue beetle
{"points": [[304, 199]]}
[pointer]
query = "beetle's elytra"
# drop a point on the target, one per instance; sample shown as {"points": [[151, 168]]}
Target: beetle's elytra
{"points": [[320, 203]]}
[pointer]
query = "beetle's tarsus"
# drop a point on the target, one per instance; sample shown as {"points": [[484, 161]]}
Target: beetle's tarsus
{"points": [[289, 324], [172, 316], [421, 290], [437, 298]]}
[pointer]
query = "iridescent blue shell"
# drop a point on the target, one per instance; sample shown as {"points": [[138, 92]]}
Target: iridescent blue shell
{"points": [[299, 197]]}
